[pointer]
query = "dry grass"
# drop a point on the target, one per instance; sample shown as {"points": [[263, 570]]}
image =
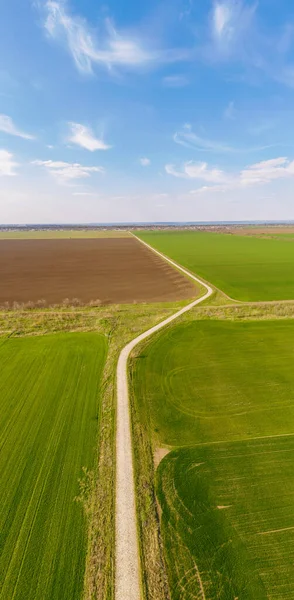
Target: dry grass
{"points": [[245, 312]]}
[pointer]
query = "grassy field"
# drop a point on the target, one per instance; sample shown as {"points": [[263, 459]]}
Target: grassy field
{"points": [[210, 388], [244, 267], [117, 324], [206, 381], [53, 234], [49, 388], [228, 520]]}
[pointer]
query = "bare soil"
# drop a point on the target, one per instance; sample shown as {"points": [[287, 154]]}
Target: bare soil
{"points": [[108, 270], [266, 230], [159, 455]]}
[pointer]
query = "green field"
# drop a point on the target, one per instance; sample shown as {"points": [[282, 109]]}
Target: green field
{"points": [[208, 381], [223, 393], [49, 389], [53, 234], [244, 267], [228, 520]]}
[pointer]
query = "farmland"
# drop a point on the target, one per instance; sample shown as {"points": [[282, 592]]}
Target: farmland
{"points": [[205, 381], [48, 434], [228, 520], [52, 547], [214, 393], [81, 271], [221, 393], [247, 268], [57, 234]]}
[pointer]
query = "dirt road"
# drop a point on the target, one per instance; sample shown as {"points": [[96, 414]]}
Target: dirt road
{"points": [[127, 565]]}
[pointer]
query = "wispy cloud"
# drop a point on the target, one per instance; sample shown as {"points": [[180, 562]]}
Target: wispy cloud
{"points": [[267, 170], [230, 111], [262, 126], [145, 162], [260, 173], [235, 36], [232, 23], [7, 164], [197, 170], [83, 136], [7, 126], [186, 137], [222, 16], [111, 49], [175, 81], [64, 172]]}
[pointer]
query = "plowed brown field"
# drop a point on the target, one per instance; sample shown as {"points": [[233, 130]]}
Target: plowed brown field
{"points": [[110, 270]]}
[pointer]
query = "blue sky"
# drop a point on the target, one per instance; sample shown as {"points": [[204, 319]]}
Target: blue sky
{"points": [[155, 111]]}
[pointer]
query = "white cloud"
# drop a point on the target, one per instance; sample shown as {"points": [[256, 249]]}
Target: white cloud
{"points": [[145, 162], [112, 49], [233, 30], [257, 174], [7, 126], [187, 138], [236, 35], [231, 19], [7, 164], [222, 16], [65, 172], [84, 137], [267, 170], [175, 81], [230, 111], [199, 170]]}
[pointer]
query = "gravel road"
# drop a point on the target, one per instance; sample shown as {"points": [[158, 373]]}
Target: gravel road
{"points": [[127, 556]]}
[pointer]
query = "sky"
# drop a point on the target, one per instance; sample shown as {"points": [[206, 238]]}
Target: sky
{"points": [[166, 110]]}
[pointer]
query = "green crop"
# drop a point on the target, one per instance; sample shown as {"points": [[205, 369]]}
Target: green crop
{"points": [[49, 390], [246, 268]]}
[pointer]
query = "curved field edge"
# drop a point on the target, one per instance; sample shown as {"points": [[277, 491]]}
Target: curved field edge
{"points": [[227, 532], [149, 431], [50, 388], [245, 268]]}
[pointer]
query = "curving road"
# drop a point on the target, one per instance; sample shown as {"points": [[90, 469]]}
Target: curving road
{"points": [[127, 556]]}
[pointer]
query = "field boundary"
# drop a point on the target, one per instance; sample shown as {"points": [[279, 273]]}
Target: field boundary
{"points": [[128, 580], [205, 281], [187, 272]]}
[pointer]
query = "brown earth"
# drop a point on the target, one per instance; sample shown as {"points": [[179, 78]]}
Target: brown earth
{"points": [[109, 270], [159, 454], [266, 230]]}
